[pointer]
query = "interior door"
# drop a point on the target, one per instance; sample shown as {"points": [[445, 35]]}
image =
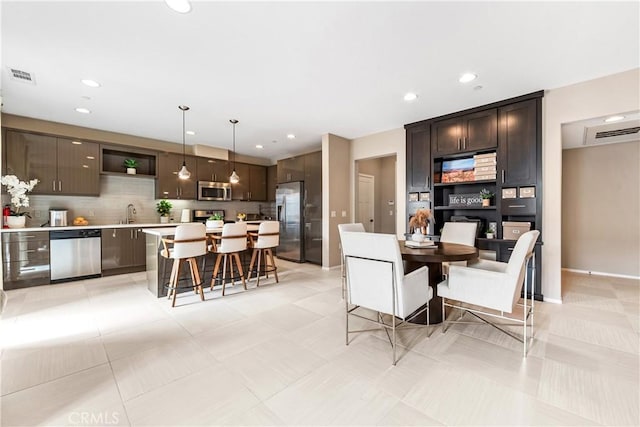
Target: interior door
{"points": [[366, 201]]}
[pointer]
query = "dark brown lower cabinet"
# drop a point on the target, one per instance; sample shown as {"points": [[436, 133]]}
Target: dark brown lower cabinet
{"points": [[123, 251], [25, 259]]}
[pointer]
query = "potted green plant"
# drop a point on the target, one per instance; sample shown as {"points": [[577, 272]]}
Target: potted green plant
{"points": [[215, 221], [486, 196], [163, 207], [131, 165]]}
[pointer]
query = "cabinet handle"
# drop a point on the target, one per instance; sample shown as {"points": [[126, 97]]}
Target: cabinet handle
{"points": [[114, 233], [458, 144], [54, 185], [59, 185], [29, 236], [131, 233], [28, 269], [29, 251], [503, 176], [517, 206], [464, 143]]}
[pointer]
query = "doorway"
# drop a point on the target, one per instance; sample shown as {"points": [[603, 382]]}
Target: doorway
{"points": [[375, 194], [366, 201]]}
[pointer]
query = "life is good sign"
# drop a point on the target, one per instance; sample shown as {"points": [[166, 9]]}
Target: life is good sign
{"points": [[465, 200]]}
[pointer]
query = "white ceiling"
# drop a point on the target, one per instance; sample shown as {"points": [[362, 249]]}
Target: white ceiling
{"points": [[297, 67]]}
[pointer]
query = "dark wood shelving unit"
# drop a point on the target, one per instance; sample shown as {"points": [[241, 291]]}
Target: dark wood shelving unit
{"points": [[512, 129]]}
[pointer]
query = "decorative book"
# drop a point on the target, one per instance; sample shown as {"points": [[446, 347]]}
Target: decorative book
{"points": [[425, 244]]}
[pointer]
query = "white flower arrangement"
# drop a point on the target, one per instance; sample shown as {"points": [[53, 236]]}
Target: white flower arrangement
{"points": [[18, 190]]}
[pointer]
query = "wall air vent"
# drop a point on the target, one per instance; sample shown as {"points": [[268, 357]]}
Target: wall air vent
{"points": [[22, 76], [611, 133]]}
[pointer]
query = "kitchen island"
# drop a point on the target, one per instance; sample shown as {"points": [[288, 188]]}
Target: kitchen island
{"points": [[159, 267]]}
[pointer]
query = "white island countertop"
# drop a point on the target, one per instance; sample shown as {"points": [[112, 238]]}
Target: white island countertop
{"points": [[170, 231], [89, 227]]}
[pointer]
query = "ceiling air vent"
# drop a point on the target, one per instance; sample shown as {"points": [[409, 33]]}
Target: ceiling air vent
{"points": [[611, 133], [22, 76]]}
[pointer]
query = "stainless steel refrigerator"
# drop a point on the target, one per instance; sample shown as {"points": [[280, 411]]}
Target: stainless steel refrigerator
{"points": [[290, 213]]}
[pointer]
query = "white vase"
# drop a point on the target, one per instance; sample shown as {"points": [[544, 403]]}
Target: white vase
{"points": [[164, 220], [214, 223], [16, 221], [418, 237], [131, 171]]}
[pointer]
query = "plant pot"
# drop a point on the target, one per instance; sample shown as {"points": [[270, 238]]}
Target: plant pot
{"points": [[16, 221], [490, 236], [164, 220], [486, 203], [214, 223], [131, 171]]}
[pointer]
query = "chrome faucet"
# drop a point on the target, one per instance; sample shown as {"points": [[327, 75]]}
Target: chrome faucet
{"points": [[131, 210]]}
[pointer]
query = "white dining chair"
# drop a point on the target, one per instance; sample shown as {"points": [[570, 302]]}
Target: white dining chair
{"points": [[491, 289], [462, 233], [376, 282], [357, 227]]}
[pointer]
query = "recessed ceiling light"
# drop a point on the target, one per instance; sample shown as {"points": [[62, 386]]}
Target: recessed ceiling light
{"points": [[410, 97], [90, 83], [467, 77], [180, 6], [291, 136], [90, 157], [614, 119], [259, 147], [190, 132], [83, 110]]}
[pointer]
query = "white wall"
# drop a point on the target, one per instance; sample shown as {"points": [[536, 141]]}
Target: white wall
{"points": [[601, 209], [595, 98], [379, 145]]}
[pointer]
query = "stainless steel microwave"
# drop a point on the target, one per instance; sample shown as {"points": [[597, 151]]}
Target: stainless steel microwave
{"points": [[214, 190]]}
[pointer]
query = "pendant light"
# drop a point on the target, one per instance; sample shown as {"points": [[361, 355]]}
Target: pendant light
{"points": [[234, 178], [184, 173]]}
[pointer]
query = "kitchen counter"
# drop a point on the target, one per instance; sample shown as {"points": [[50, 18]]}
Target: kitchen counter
{"points": [[92, 227], [172, 230]]}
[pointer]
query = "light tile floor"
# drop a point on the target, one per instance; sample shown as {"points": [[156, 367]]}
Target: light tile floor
{"points": [[106, 352]]}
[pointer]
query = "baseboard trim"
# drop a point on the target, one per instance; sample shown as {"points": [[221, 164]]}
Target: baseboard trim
{"points": [[600, 273], [552, 300], [330, 268]]}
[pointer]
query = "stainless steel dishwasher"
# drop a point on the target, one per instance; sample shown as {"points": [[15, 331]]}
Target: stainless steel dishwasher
{"points": [[75, 254]]}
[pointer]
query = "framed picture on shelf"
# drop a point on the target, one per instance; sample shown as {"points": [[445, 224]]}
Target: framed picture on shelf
{"points": [[413, 197], [425, 197]]}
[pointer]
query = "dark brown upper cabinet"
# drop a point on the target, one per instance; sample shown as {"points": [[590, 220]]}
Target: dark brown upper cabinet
{"points": [[168, 185], [252, 185], [517, 139], [63, 166], [215, 170], [472, 132], [418, 158], [291, 169], [272, 182]]}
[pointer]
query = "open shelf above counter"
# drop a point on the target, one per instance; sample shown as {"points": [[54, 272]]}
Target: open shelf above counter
{"points": [[113, 161]]}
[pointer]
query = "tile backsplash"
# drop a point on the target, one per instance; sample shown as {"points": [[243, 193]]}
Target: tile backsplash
{"points": [[116, 192]]}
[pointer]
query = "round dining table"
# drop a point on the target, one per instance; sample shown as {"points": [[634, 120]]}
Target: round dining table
{"points": [[433, 257]]}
